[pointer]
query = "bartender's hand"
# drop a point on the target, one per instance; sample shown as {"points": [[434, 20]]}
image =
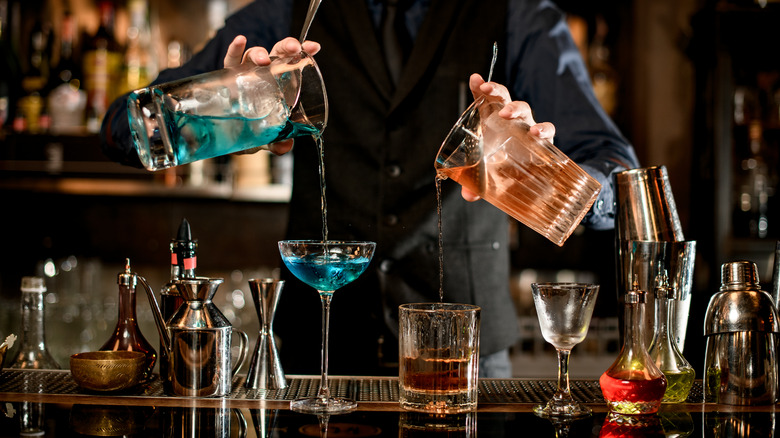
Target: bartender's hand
{"points": [[512, 110], [289, 46]]}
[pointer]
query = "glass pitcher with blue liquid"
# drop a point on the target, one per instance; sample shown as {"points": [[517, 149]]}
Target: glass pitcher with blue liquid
{"points": [[227, 111]]}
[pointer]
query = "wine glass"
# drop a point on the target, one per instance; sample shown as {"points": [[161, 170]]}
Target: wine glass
{"points": [[564, 311], [325, 266]]}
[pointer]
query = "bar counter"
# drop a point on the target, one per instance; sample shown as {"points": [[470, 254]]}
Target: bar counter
{"points": [[505, 409]]}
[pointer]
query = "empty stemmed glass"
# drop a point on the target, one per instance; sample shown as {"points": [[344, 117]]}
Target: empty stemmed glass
{"points": [[325, 266], [564, 311]]}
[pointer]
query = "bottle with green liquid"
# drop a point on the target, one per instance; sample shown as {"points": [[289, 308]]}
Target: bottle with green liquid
{"points": [[663, 348]]}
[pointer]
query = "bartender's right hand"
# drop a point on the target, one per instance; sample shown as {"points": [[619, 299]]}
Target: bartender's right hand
{"points": [[236, 55]]}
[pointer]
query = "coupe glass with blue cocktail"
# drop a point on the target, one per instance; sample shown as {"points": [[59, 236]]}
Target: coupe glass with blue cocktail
{"points": [[326, 266]]}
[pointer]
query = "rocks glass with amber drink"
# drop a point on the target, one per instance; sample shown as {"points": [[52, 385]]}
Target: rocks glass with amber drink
{"points": [[439, 357]]}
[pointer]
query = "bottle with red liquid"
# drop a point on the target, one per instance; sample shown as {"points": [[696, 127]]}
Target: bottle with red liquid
{"points": [[633, 385], [127, 335]]}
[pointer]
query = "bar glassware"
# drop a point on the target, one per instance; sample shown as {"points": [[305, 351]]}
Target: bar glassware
{"points": [[439, 357], [326, 266], [564, 311]]}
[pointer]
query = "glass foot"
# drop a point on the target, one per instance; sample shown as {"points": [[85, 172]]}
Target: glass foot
{"points": [[556, 408], [323, 405]]}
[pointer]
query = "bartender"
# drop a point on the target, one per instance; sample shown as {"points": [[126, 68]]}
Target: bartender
{"points": [[398, 73]]}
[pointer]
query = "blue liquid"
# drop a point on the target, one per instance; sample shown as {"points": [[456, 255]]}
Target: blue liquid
{"points": [[200, 137], [327, 272]]}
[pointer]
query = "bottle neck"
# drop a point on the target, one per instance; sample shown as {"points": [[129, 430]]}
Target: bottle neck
{"points": [[184, 259], [662, 316], [634, 315], [33, 336], [126, 305]]}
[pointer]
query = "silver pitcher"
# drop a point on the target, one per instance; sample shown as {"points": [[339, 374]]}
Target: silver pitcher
{"points": [[741, 328], [197, 340]]}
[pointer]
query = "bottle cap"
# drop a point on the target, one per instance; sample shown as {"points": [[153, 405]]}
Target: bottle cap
{"points": [[635, 295], [33, 284], [662, 289], [126, 278]]}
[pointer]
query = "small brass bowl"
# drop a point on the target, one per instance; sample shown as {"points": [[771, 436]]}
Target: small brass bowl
{"points": [[107, 370]]}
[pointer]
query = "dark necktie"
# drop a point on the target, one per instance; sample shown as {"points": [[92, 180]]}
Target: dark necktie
{"points": [[392, 39]]}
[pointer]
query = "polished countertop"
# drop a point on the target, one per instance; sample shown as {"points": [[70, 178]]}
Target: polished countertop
{"points": [[505, 409]]}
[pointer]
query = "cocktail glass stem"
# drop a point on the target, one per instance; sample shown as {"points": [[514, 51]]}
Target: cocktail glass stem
{"points": [[324, 391], [564, 392]]}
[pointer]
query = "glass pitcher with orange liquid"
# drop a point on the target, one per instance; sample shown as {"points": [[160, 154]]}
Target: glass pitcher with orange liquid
{"points": [[523, 175]]}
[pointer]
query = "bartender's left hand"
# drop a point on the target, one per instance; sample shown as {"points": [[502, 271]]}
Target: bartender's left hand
{"points": [[236, 55], [516, 109]]}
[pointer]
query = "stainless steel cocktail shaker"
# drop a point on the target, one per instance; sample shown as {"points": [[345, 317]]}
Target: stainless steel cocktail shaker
{"points": [[741, 329]]}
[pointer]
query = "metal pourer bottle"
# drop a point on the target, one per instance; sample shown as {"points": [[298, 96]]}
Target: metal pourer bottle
{"points": [[32, 351], [184, 260], [633, 385], [663, 349], [127, 335]]}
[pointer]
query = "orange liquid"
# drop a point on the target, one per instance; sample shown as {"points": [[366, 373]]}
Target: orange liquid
{"points": [[550, 198]]}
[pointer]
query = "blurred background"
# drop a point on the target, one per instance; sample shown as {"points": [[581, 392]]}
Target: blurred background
{"points": [[693, 84]]}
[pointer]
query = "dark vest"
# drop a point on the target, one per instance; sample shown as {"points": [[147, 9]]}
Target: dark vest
{"points": [[380, 145]]}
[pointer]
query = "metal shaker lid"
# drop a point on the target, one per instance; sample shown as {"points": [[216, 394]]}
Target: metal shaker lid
{"points": [[740, 305], [739, 275]]}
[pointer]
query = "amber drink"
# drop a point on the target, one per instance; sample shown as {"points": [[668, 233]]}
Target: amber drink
{"points": [[525, 176], [439, 350]]}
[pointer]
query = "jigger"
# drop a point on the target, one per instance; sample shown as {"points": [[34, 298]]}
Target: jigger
{"points": [[265, 368]]}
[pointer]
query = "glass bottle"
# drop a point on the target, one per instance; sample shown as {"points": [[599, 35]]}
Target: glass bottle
{"points": [[184, 260], [11, 73], [633, 385], [33, 353], [140, 65], [102, 64], [31, 115], [127, 336], [67, 99], [663, 348]]}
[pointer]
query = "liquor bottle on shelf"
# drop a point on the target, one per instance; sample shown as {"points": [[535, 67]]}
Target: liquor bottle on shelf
{"points": [[754, 187], [633, 384], [663, 348], [140, 56], [127, 335], [102, 63], [67, 99], [11, 73], [31, 115]]}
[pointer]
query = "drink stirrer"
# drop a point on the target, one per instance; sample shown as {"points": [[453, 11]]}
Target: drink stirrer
{"points": [[313, 6]]}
